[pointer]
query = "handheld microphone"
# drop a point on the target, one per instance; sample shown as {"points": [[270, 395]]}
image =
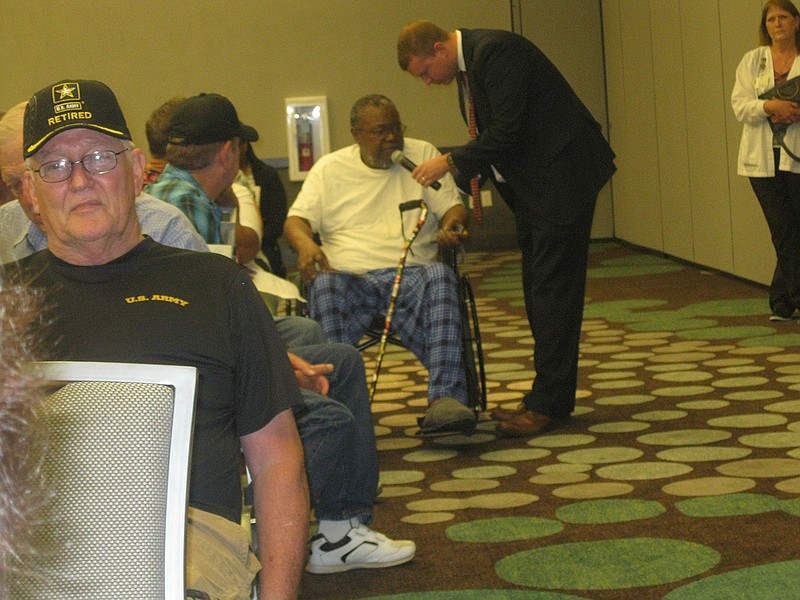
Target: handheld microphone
{"points": [[399, 158]]}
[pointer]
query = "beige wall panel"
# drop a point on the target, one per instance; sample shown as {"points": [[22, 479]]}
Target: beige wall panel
{"points": [[571, 37], [637, 213], [725, 228], [707, 147], [257, 52], [615, 86], [670, 103], [753, 254]]}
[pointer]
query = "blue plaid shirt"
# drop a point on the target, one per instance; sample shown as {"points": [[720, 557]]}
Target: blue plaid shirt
{"points": [[180, 189]]}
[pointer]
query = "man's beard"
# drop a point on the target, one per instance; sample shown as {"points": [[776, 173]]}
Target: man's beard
{"points": [[376, 162]]}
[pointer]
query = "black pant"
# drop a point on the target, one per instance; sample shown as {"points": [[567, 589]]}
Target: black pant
{"points": [[554, 260], [779, 197]]}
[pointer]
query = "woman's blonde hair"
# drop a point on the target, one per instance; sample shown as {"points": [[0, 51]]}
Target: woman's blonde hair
{"points": [[22, 441]]}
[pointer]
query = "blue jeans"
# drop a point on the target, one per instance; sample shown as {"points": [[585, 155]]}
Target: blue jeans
{"points": [[338, 437], [299, 331]]}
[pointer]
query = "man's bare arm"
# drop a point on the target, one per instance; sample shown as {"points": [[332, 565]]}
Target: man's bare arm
{"points": [[310, 256], [454, 226], [274, 456]]}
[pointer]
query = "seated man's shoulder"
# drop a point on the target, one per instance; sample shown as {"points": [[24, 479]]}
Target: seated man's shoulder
{"points": [[416, 147], [170, 184], [146, 204], [10, 209], [207, 260], [25, 270], [343, 157]]}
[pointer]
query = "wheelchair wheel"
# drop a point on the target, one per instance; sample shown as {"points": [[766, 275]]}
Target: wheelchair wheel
{"points": [[471, 348]]}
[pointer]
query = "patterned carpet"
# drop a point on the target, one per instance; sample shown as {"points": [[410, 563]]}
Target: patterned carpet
{"points": [[677, 478]]}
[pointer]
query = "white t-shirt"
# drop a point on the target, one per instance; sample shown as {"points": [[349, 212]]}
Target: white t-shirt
{"points": [[355, 209], [249, 213]]}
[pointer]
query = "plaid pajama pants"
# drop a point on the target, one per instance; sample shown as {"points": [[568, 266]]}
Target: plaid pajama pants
{"points": [[426, 317]]}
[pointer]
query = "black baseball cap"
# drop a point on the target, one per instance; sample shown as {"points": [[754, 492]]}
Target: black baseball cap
{"points": [[70, 104], [205, 119]]}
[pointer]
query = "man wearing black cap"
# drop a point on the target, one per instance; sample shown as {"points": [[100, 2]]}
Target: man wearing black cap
{"points": [[203, 160], [116, 295]]}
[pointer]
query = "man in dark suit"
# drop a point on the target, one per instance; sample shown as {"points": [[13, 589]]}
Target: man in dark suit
{"points": [[548, 158]]}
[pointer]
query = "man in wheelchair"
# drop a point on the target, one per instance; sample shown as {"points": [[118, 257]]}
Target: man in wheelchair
{"points": [[352, 201]]}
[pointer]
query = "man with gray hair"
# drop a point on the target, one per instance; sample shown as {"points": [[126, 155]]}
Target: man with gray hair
{"points": [[115, 295], [20, 229]]}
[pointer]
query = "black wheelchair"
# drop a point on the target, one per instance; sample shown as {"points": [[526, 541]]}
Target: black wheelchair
{"points": [[471, 347]]}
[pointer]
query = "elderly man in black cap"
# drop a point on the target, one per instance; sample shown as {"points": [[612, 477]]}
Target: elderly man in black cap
{"points": [[114, 294], [204, 136]]}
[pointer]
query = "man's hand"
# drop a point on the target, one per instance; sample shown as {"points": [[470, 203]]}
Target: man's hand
{"points": [[311, 377], [310, 257], [431, 170], [452, 235], [453, 227], [309, 262]]}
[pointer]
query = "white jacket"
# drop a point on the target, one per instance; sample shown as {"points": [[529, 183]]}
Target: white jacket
{"points": [[754, 76]]}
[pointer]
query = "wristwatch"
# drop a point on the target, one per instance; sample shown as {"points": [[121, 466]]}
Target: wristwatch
{"points": [[450, 163]]}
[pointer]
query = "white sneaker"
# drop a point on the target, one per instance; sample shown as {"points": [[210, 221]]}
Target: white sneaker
{"points": [[361, 548]]}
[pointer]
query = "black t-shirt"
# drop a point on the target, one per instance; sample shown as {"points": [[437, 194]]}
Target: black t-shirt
{"points": [[164, 305]]}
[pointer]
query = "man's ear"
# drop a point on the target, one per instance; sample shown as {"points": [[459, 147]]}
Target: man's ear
{"points": [[138, 162], [225, 153], [29, 191]]}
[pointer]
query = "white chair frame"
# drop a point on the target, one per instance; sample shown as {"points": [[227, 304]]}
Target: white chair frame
{"points": [[184, 382]]}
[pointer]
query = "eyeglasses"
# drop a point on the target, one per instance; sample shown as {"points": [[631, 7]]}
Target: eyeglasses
{"points": [[96, 163], [380, 133]]}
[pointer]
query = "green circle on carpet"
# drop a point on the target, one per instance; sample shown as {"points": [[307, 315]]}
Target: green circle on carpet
{"points": [[618, 311], [742, 307], [729, 505], [766, 582], [726, 333], [479, 595], [508, 529], [599, 512], [638, 260], [608, 564], [791, 506], [785, 340], [638, 271], [669, 321]]}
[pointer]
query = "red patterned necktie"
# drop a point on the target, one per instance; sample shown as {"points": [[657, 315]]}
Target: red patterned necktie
{"points": [[474, 183]]}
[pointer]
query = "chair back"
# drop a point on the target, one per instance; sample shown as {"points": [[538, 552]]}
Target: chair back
{"points": [[117, 465]]}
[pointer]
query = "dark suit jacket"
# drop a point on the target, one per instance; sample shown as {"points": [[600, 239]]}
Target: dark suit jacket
{"points": [[533, 128]]}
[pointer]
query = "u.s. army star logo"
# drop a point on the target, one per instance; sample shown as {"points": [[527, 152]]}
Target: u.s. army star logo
{"points": [[66, 92]]}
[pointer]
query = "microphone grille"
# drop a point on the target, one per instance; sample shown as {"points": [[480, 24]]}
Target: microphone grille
{"points": [[397, 156]]}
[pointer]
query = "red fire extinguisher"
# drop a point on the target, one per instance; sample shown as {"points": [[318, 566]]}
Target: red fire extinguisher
{"points": [[305, 146]]}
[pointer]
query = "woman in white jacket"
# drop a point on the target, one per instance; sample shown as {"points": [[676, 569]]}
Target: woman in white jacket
{"points": [[774, 174]]}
